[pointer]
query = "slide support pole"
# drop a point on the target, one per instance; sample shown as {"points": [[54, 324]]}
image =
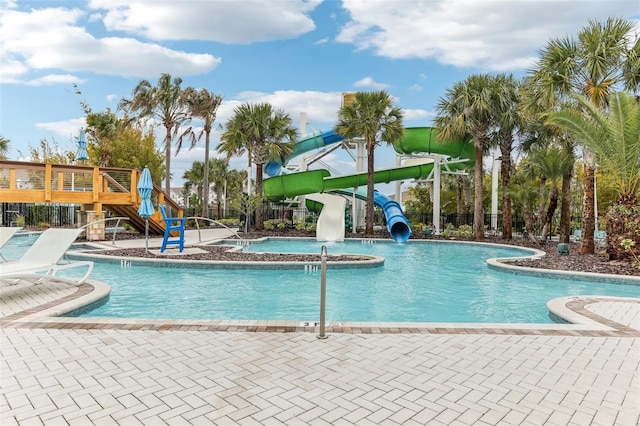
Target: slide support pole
{"points": [[436, 194]]}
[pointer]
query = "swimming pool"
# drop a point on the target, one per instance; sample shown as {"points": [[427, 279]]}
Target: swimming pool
{"points": [[421, 281]]}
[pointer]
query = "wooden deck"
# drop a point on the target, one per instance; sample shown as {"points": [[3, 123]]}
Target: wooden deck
{"points": [[93, 188]]}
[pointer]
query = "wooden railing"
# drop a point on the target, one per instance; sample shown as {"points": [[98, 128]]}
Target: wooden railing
{"points": [[27, 182]]}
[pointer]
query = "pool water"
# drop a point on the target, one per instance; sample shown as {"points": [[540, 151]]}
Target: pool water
{"points": [[419, 282]]}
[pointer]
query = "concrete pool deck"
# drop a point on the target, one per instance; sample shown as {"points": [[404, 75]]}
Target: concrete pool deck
{"points": [[88, 371]]}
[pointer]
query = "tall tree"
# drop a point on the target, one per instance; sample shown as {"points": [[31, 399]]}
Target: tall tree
{"points": [[4, 147], [509, 120], [102, 128], [472, 107], [612, 135], [374, 117], [550, 163], [267, 133], [165, 102], [194, 177], [203, 105], [218, 174], [614, 138], [605, 56]]}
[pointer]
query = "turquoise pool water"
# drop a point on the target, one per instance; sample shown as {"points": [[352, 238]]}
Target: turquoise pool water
{"points": [[420, 281]]}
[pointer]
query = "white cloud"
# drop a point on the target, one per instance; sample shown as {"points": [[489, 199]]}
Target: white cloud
{"points": [[67, 129], [370, 82], [321, 107], [51, 79], [490, 34], [54, 38], [220, 21], [416, 114]]}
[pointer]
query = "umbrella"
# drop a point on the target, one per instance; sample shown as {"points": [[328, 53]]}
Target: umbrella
{"points": [[145, 186], [82, 146]]}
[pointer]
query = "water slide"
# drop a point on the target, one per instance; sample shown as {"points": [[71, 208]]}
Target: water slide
{"points": [[416, 140]]}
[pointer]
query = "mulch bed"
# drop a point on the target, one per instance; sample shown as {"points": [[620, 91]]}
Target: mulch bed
{"points": [[575, 261]]}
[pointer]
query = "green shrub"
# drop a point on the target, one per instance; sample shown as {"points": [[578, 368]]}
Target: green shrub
{"points": [[464, 231], [269, 225], [449, 230]]}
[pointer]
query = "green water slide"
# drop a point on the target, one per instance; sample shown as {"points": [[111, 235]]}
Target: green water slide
{"points": [[417, 140]]}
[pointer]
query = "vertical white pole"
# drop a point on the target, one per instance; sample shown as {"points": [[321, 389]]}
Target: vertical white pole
{"points": [[398, 182], [302, 204], [436, 194], [494, 192]]}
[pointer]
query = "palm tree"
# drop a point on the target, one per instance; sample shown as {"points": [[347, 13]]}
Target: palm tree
{"points": [[604, 56], [4, 147], [509, 120], [102, 129], [194, 177], [551, 164], [613, 136], [474, 107], [374, 117], [165, 103], [265, 132], [203, 105], [218, 174]]}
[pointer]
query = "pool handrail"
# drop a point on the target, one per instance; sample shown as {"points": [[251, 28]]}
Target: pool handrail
{"points": [[217, 223]]}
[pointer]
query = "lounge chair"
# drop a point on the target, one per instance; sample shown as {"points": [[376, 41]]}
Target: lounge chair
{"points": [[45, 253], [6, 233], [172, 224]]}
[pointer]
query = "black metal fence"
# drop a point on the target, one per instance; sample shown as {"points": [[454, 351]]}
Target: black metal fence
{"points": [[22, 214], [59, 215]]}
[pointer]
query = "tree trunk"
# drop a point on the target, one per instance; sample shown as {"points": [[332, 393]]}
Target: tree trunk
{"points": [[370, 187], [478, 210], [565, 209], [551, 209], [467, 195], [587, 245], [259, 220], [205, 198], [167, 164], [529, 221]]}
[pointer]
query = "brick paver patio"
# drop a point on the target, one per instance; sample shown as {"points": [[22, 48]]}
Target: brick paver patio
{"points": [[84, 372]]}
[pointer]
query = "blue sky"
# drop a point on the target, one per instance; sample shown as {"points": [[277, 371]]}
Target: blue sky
{"points": [[298, 55]]}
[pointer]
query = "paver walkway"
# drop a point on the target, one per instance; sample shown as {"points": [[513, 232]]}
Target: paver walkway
{"points": [[54, 374]]}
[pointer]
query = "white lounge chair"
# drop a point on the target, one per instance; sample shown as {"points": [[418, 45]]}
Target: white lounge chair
{"points": [[6, 233], [45, 253]]}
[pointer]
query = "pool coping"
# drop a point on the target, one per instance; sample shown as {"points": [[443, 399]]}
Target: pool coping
{"points": [[571, 309]]}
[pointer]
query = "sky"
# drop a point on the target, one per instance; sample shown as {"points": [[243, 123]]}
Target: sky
{"points": [[298, 55]]}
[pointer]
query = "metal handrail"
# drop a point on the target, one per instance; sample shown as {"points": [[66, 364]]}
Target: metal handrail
{"points": [[217, 223]]}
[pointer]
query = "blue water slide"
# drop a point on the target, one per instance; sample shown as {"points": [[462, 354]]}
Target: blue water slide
{"points": [[397, 223], [315, 140]]}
